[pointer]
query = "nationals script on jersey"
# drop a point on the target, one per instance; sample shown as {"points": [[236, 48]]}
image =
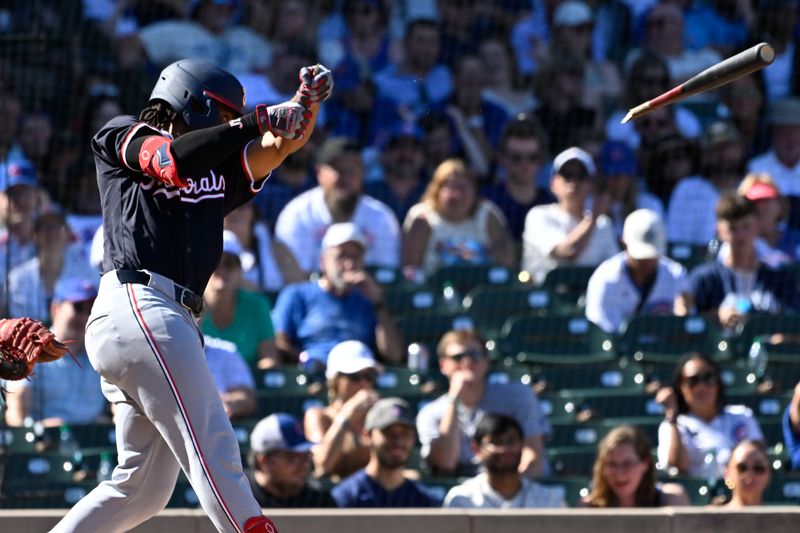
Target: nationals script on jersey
{"points": [[153, 226]]}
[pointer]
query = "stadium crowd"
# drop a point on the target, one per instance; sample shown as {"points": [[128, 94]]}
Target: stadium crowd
{"points": [[460, 134]]}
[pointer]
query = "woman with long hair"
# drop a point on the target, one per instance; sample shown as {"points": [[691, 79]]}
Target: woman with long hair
{"points": [[624, 474], [700, 429], [452, 225]]}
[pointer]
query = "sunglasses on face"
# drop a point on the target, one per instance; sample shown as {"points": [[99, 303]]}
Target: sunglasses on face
{"points": [[706, 378], [519, 157], [472, 355], [574, 176], [757, 468], [364, 375]]}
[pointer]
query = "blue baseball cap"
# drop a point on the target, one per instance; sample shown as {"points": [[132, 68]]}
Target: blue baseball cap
{"points": [[74, 290], [404, 130], [279, 432], [20, 173], [616, 157]]}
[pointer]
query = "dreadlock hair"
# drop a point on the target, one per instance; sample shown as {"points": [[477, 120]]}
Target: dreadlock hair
{"points": [[158, 114]]}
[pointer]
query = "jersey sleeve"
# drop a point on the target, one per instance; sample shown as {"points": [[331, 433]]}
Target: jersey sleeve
{"points": [[240, 183], [110, 143]]}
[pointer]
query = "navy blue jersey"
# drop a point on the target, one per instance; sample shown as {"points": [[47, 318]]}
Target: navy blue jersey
{"points": [[360, 490], [774, 290], [149, 225]]}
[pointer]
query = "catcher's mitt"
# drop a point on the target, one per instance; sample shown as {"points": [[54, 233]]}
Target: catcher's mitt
{"points": [[23, 343]]}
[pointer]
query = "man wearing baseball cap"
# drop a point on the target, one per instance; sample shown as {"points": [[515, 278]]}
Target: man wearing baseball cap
{"points": [[563, 233], [279, 463], [345, 303], [339, 197], [66, 391], [640, 280], [390, 434]]}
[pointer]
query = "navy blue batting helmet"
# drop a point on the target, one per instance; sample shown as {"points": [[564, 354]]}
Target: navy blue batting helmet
{"points": [[194, 88]]}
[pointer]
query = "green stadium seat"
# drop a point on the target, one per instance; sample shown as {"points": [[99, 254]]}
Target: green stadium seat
{"points": [[398, 381], [624, 377], [572, 460], [664, 339], [589, 433], [427, 328], [764, 325], [554, 339], [288, 390], [50, 496], [34, 470], [387, 276], [567, 286], [20, 439], [739, 379], [783, 490], [406, 299], [607, 404], [283, 380], [490, 306], [466, 277]]}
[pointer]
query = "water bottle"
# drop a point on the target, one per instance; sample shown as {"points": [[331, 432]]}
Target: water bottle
{"points": [[450, 297], [418, 357], [757, 358], [105, 468], [67, 444]]}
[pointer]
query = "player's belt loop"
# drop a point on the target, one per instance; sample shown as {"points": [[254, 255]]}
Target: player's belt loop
{"points": [[182, 295]]}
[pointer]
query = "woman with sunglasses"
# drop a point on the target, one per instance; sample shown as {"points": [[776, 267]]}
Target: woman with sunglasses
{"points": [[700, 430], [747, 475], [624, 474], [336, 429]]}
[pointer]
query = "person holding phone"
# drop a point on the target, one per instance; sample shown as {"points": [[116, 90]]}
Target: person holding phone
{"points": [[700, 430]]}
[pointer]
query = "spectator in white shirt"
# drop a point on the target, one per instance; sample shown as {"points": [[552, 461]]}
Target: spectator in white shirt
{"points": [[690, 216], [497, 443], [338, 198], [782, 162], [233, 378], [564, 233], [640, 280]]}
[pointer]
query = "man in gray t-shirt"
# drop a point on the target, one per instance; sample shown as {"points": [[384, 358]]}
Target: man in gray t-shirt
{"points": [[447, 424]]}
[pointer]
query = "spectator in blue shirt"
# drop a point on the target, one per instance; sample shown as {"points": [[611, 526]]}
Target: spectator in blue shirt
{"points": [[345, 303], [390, 434], [791, 429], [740, 283]]}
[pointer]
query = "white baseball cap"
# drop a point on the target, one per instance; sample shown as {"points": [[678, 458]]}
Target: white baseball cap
{"points": [[577, 154], [342, 232], [572, 13], [644, 235], [349, 357]]}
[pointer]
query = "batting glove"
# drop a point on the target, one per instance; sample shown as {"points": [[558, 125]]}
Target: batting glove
{"points": [[316, 84], [288, 120]]}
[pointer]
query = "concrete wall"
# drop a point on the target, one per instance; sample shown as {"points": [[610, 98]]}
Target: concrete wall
{"points": [[668, 520]]}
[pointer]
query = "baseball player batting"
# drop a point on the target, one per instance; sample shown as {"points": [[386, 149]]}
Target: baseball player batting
{"points": [[166, 180]]}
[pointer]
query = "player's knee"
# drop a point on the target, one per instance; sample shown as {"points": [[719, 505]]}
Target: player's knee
{"points": [[259, 524]]}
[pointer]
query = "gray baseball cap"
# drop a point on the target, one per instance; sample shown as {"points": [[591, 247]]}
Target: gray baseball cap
{"points": [[389, 411]]}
